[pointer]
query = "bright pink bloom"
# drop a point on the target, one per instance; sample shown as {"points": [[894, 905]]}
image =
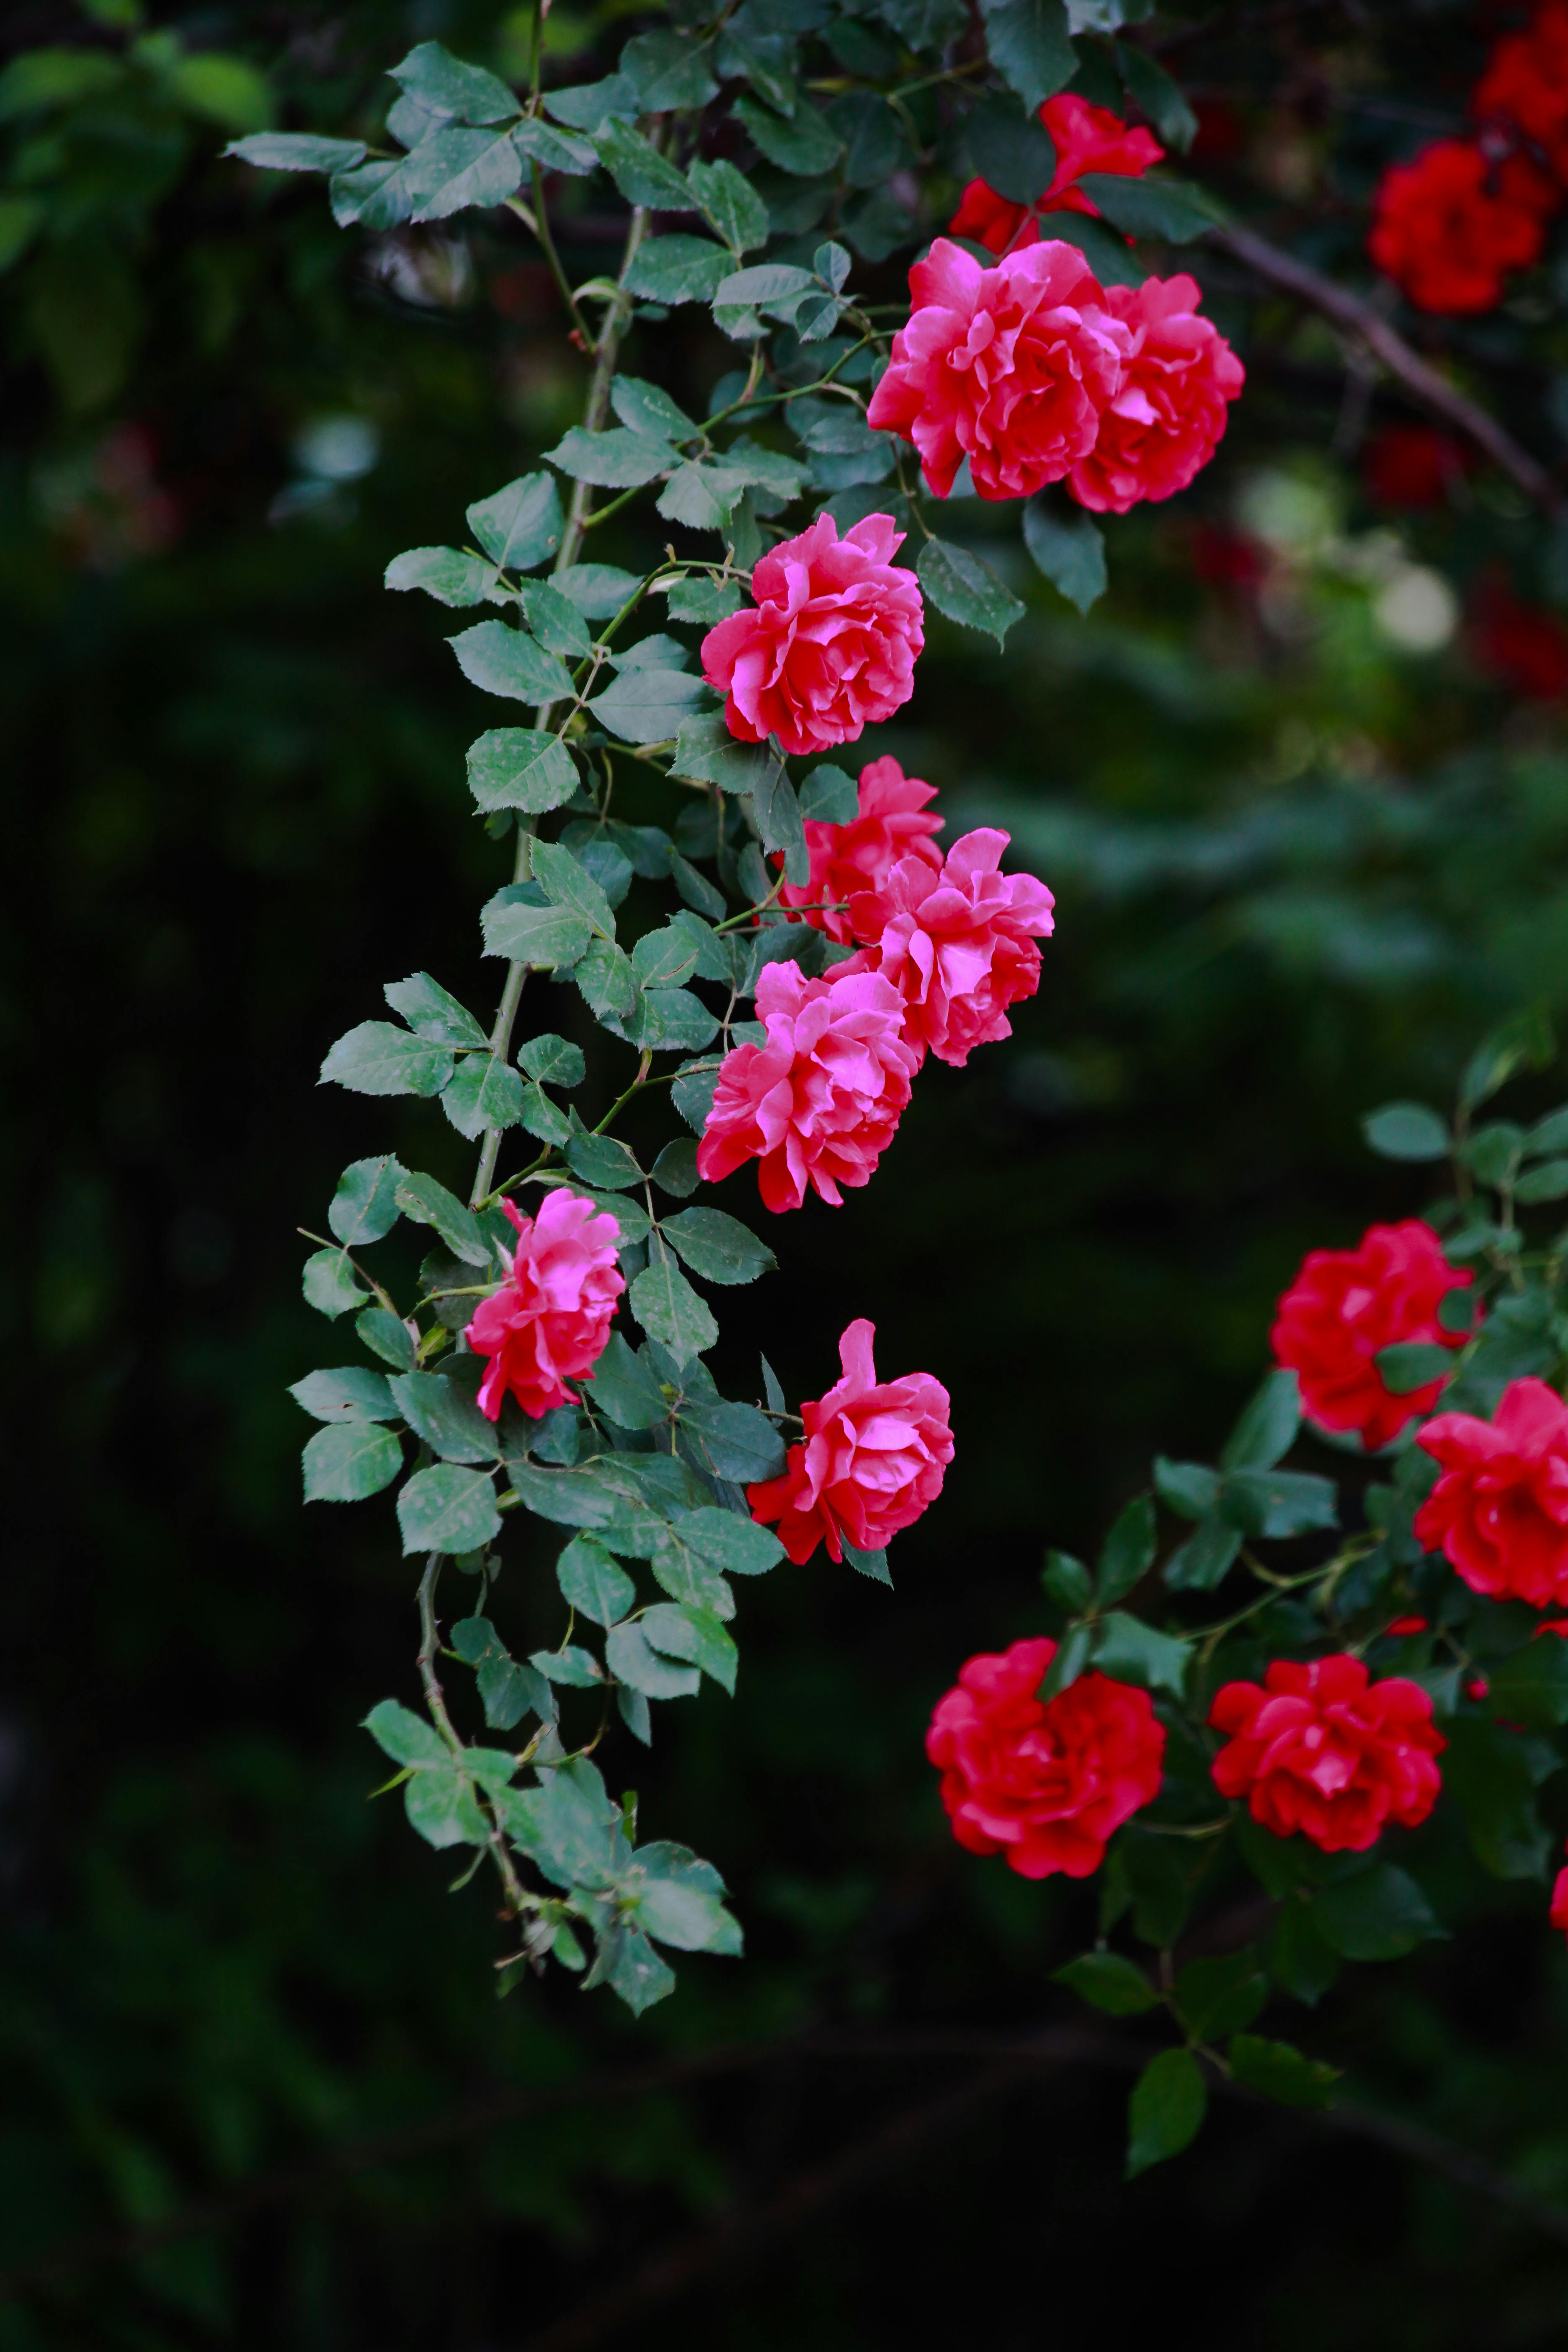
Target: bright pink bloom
{"points": [[550, 1323], [1449, 224], [1086, 139], [893, 822], [1008, 367], [957, 941], [819, 1102], [1169, 417], [1045, 1781], [872, 1459], [830, 643], [1498, 1513], [1558, 1915], [1324, 1749], [1345, 1305]]}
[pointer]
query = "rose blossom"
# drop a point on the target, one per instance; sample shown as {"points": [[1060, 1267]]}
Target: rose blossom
{"points": [[1525, 84], [818, 1103], [957, 941], [1086, 139], [1449, 223], [1498, 1513], [1323, 1749], [1169, 415], [892, 823], [830, 643], [872, 1460], [1008, 367], [1558, 1915], [1045, 1781], [1346, 1304], [550, 1323]]}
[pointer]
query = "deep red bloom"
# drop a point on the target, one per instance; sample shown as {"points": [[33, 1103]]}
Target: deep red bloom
{"points": [[829, 645], [1046, 1782], [1523, 646], [1086, 139], [550, 1323], [871, 1462], [1498, 1513], [1167, 419], [893, 822], [1451, 222], [818, 1103], [1323, 1749], [1525, 84], [1410, 1625], [1344, 1306], [1008, 367], [957, 941], [1413, 465], [1558, 1915]]}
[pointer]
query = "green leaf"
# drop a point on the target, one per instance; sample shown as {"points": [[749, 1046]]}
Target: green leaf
{"points": [[602, 1160], [553, 150], [725, 1542], [680, 1630], [670, 1310], [1127, 1553], [676, 268], [331, 1284], [292, 151], [607, 982], [1068, 1581], [1407, 1130], [1071, 1657], [448, 1421], [1112, 261], [780, 823], [577, 1668], [444, 85], [484, 1094], [1173, 209], [376, 195], [1069, 551], [504, 661], [1281, 2071], [626, 1387], [668, 69], [377, 1059], [447, 1510], [432, 1012], [1549, 1181], [1149, 86], [767, 60], [1170, 2097], [719, 1248], [616, 460], [1027, 41], [554, 620], [706, 751], [429, 1204], [1302, 1960], [830, 795], [592, 1584], [1109, 1982], [646, 705], [1491, 1775], [1378, 1915], [640, 173], [1011, 150], [441, 1807], [664, 958], [1278, 1503], [731, 206], [551, 939], [386, 1337], [1187, 1487], [566, 882], [632, 1658], [453, 168], [672, 1021], [40, 77], [1220, 1996], [702, 496], [508, 1691], [627, 1962], [569, 1826], [806, 146], [1531, 1687], [364, 1206], [353, 1392], [1412, 1364], [1524, 1041], [348, 1460], [591, 104], [733, 1441], [406, 1738], [1202, 1563], [679, 1900], [1130, 1651], [520, 526], [550, 1057], [1266, 1430], [966, 590]]}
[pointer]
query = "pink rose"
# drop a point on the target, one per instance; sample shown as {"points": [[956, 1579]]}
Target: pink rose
{"points": [[957, 941], [830, 643], [550, 1323], [1008, 367], [819, 1102], [1171, 412], [846, 858], [872, 1460]]}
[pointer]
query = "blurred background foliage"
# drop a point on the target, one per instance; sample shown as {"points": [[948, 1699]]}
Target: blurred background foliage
{"points": [[1300, 785]]}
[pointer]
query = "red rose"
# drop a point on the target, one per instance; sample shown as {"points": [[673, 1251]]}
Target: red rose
{"points": [[957, 941], [1413, 465], [1008, 367], [1525, 84], [1558, 1915], [830, 645], [1323, 1749], [872, 1458], [1498, 1513], [1045, 1781], [1086, 139], [819, 1104], [1168, 417], [892, 823], [1523, 646], [1448, 225], [550, 1323], [1344, 1306]]}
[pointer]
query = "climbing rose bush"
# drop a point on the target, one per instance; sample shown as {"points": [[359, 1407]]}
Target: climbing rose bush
{"points": [[1346, 1305], [872, 1460], [1498, 1513], [894, 821], [957, 941], [1044, 1781], [1170, 409], [1323, 1749], [549, 1322]]}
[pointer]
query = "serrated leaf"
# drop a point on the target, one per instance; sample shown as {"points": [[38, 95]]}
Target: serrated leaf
{"points": [[377, 1059], [642, 174], [1187, 1487], [453, 168], [1130, 1652], [444, 572], [632, 1658], [1069, 550], [725, 1542], [679, 1900], [569, 1826], [1412, 1364], [405, 1737], [428, 1203], [731, 206], [1127, 1553], [295, 151], [348, 1460], [330, 1284], [1221, 1995], [352, 1392], [1109, 1982], [1266, 1430], [590, 104], [448, 1421], [607, 982], [1149, 86], [1281, 2071], [668, 69], [447, 1510], [676, 268], [432, 1012], [1027, 42], [616, 459], [505, 661], [548, 1057], [1204, 1560], [444, 85], [1170, 2097], [1011, 150], [718, 1246], [592, 1584], [553, 150], [552, 939], [520, 768], [732, 1441], [678, 1630], [1278, 1503], [648, 705], [554, 620], [1172, 209], [669, 1311], [520, 526], [806, 146], [966, 590], [507, 1690], [706, 751], [484, 1093], [364, 1206], [1377, 1914], [577, 1668], [701, 495]]}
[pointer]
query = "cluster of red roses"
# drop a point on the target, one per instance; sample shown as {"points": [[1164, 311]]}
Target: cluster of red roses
{"points": [[1449, 224], [1319, 1747], [1033, 371]]}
